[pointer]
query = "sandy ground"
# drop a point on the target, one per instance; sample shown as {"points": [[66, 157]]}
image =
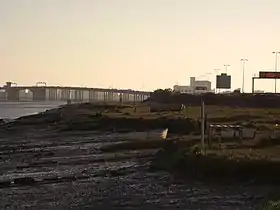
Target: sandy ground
{"points": [[70, 172]]}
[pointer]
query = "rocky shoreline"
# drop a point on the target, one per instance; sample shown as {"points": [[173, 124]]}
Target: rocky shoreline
{"points": [[74, 145]]}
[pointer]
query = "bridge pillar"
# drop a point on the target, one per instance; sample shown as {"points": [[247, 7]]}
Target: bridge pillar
{"points": [[39, 93], [105, 96], [142, 97], [93, 96], [110, 96], [64, 95], [120, 97], [125, 97], [77, 95], [68, 94], [81, 95], [52, 94], [12, 94]]}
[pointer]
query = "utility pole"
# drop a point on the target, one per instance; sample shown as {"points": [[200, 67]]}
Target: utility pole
{"points": [[202, 127], [243, 61], [226, 66], [276, 62]]}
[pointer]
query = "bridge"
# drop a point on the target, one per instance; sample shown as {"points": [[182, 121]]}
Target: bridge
{"points": [[42, 92]]}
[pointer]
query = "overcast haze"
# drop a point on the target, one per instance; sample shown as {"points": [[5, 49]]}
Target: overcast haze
{"points": [[137, 44]]}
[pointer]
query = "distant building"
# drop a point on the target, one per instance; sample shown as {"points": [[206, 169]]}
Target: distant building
{"points": [[195, 87]]}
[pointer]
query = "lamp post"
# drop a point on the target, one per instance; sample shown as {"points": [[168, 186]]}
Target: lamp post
{"points": [[226, 66], [276, 62], [243, 61]]}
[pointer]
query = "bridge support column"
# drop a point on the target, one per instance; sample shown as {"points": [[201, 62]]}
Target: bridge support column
{"points": [[93, 96], [39, 94], [68, 94], [110, 96], [64, 95], [81, 94], [78, 95], [125, 97], [12, 94], [120, 98], [105, 96], [52, 94]]}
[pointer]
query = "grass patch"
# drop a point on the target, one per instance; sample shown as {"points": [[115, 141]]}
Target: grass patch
{"points": [[272, 205]]}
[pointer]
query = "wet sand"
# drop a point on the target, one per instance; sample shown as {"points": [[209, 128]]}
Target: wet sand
{"points": [[71, 172]]}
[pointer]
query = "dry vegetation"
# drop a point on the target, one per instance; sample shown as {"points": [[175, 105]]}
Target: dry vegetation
{"points": [[129, 117]]}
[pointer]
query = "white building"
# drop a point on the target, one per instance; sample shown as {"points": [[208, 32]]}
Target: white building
{"points": [[195, 87]]}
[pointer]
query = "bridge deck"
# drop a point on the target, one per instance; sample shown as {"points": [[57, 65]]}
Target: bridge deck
{"points": [[79, 88]]}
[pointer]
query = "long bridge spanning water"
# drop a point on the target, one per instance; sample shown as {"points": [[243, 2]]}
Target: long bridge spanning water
{"points": [[43, 92]]}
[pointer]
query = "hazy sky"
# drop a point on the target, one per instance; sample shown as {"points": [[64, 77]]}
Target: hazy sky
{"points": [[138, 44]]}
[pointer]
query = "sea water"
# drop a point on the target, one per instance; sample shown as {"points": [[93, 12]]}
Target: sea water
{"points": [[12, 110]]}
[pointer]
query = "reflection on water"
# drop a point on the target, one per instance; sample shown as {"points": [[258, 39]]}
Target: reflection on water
{"points": [[17, 109]]}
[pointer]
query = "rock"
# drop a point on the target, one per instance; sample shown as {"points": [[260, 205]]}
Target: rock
{"points": [[68, 179], [24, 181]]}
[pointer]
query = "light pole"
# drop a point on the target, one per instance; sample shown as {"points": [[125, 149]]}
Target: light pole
{"points": [[226, 66], [243, 61], [276, 62]]}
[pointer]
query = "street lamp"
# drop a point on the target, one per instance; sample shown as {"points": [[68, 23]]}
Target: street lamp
{"points": [[276, 62], [243, 61], [226, 66]]}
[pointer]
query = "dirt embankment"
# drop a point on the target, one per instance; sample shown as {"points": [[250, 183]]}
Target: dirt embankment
{"points": [[124, 118], [219, 166], [109, 118]]}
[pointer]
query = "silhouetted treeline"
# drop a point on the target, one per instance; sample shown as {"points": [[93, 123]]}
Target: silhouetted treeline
{"points": [[233, 99]]}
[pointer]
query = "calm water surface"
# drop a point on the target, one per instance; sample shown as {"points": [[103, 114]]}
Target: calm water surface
{"points": [[13, 110]]}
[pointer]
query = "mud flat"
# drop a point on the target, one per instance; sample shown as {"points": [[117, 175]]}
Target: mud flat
{"points": [[68, 158]]}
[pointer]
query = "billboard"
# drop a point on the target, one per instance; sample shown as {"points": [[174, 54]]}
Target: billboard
{"points": [[269, 75], [223, 81]]}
